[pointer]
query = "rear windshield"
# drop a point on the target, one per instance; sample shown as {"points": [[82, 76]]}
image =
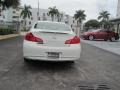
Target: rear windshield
{"points": [[52, 26]]}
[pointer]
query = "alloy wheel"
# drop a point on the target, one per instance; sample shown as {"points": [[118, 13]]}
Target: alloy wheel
{"points": [[91, 37]]}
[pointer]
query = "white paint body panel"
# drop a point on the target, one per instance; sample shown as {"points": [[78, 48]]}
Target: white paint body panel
{"points": [[53, 42], [39, 52]]}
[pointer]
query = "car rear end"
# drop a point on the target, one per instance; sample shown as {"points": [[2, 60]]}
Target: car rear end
{"points": [[51, 45]]}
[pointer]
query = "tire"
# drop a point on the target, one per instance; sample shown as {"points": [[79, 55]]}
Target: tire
{"points": [[91, 38], [117, 36], [71, 62], [105, 39], [27, 60], [112, 39]]}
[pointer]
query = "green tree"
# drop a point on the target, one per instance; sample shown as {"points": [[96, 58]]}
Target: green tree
{"points": [[80, 16], [53, 11], [59, 16], [106, 24], [26, 13], [104, 17], [9, 3], [92, 24], [5, 4]]}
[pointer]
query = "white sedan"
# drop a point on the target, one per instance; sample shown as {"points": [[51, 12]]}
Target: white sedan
{"points": [[51, 41]]}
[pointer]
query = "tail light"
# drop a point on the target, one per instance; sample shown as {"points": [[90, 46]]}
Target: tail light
{"points": [[31, 37], [74, 40]]}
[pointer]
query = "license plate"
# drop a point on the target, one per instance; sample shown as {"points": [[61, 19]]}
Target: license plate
{"points": [[53, 55]]}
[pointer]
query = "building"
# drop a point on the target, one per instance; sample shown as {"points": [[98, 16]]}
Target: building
{"points": [[42, 15], [13, 15], [10, 18], [116, 21]]}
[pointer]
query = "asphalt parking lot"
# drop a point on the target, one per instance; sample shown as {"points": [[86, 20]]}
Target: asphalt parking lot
{"points": [[97, 68]]}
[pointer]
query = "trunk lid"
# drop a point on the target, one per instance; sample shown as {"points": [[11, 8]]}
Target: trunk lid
{"points": [[53, 38]]}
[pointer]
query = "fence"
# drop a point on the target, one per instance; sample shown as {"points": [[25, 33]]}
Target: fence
{"points": [[10, 25]]}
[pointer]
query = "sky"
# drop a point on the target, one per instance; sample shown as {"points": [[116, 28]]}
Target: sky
{"points": [[91, 7]]}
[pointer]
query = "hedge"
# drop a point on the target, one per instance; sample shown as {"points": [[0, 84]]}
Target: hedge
{"points": [[6, 31]]}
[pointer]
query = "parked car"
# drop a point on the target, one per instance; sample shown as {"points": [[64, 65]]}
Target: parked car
{"points": [[51, 41], [100, 34]]}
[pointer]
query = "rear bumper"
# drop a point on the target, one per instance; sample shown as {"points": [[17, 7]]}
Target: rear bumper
{"points": [[50, 59], [39, 52]]}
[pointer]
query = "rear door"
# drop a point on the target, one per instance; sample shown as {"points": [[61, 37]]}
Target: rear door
{"points": [[101, 34]]}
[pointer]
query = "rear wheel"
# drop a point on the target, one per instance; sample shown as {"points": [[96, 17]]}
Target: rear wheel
{"points": [[116, 36], [112, 39], [27, 60], [71, 62], [91, 37]]}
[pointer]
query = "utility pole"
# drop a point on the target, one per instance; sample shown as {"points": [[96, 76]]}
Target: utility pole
{"points": [[18, 22], [38, 13]]}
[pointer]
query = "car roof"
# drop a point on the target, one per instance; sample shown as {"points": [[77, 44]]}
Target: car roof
{"points": [[52, 22], [94, 30]]}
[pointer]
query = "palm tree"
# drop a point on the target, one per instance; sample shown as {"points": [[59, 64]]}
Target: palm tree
{"points": [[9, 3], [79, 16], [59, 16], [104, 17], [26, 13], [4, 4], [53, 12]]}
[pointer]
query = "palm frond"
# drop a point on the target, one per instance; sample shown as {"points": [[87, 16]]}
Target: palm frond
{"points": [[80, 15], [10, 3], [26, 12], [104, 15], [53, 11]]}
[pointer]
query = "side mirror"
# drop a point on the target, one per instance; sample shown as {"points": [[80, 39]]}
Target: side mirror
{"points": [[35, 26]]}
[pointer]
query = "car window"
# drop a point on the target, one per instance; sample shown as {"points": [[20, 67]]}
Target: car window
{"points": [[95, 30], [52, 26], [101, 31]]}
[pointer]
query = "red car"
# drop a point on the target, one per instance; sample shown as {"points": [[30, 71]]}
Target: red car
{"points": [[100, 34]]}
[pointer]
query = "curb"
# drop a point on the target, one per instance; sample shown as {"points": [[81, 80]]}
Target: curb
{"points": [[23, 33], [3, 37]]}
